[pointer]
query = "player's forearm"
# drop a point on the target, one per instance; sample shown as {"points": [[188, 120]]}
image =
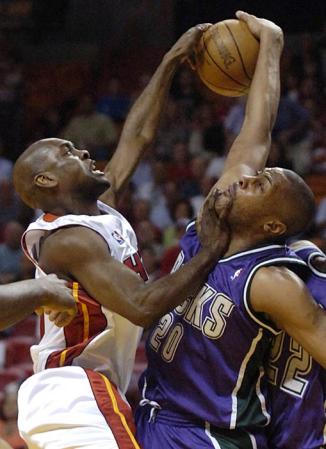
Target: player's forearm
{"points": [[264, 94], [143, 119], [158, 298], [251, 147], [17, 301], [140, 128]]}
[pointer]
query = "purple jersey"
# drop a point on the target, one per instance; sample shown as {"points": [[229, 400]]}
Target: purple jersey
{"points": [[296, 382], [205, 358]]}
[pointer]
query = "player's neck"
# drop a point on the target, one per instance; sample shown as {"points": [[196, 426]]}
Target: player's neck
{"points": [[239, 244], [76, 208]]}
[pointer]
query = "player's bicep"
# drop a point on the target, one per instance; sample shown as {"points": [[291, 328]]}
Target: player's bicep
{"points": [[280, 294], [84, 256]]}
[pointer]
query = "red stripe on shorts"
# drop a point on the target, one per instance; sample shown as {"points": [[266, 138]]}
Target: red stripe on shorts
{"points": [[116, 412]]}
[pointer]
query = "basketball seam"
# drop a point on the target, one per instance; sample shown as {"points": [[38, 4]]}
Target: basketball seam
{"points": [[240, 55], [242, 92], [217, 65]]}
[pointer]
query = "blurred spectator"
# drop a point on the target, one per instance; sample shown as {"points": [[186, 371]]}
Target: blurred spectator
{"points": [[292, 130], [114, 102], [140, 210], [181, 214], [216, 166], [277, 156], [184, 90], [207, 133], [150, 261], [321, 218], [205, 186], [6, 166], [11, 81], [9, 413], [234, 119], [171, 253], [11, 253], [179, 168], [174, 128], [9, 202], [91, 130], [49, 125], [198, 167], [143, 173], [149, 235], [318, 153], [154, 192]]}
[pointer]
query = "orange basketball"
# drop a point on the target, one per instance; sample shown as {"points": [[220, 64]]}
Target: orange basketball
{"points": [[226, 57]]}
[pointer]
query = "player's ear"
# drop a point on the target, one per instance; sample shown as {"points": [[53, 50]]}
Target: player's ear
{"points": [[45, 179], [275, 228]]}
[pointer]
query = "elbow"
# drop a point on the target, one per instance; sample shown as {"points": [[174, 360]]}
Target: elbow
{"points": [[145, 313], [143, 318]]}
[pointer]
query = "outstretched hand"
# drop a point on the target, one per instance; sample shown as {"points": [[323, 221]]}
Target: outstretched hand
{"points": [[212, 225], [185, 46]]}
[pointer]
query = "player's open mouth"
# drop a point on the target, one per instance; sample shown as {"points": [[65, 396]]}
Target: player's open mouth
{"points": [[93, 169]]}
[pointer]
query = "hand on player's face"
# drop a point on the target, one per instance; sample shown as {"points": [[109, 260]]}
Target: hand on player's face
{"points": [[185, 46], [258, 26], [212, 224]]}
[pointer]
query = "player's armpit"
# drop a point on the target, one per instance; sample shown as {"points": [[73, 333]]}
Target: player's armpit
{"points": [[279, 293]]}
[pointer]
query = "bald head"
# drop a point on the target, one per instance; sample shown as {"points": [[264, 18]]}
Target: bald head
{"points": [[55, 176], [298, 207], [34, 160]]}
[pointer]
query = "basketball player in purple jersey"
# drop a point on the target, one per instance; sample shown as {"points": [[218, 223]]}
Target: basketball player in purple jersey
{"points": [[202, 388], [296, 382]]}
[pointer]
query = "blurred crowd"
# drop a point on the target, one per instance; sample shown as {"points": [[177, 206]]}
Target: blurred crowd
{"points": [[195, 134]]}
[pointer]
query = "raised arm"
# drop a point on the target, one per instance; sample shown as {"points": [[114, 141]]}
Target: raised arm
{"points": [[143, 119], [20, 299], [250, 149], [284, 298]]}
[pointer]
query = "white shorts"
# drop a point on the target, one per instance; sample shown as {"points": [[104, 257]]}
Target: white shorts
{"points": [[70, 407]]}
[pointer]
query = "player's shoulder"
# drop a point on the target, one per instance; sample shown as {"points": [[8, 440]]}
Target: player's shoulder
{"points": [[273, 284], [273, 273], [72, 240]]}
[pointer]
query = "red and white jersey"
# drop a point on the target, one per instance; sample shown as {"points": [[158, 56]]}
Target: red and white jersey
{"points": [[96, 338]]}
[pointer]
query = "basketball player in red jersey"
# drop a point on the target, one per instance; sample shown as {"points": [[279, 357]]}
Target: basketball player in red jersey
{"points": [[20, 299], [93, 246]]}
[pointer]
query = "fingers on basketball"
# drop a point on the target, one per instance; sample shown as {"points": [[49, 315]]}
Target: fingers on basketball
{"points": [[226, 57]]}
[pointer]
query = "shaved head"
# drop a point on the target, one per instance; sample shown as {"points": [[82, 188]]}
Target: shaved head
{"points": [[54, 175], [34, 160], [298, 207]]}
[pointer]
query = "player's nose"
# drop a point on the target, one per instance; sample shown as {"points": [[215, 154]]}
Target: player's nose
{"points": [[84, 154], [246, 181], [243, 182]]}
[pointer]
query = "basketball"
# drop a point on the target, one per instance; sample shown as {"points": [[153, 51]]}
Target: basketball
{"points": [[226, 57]]}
